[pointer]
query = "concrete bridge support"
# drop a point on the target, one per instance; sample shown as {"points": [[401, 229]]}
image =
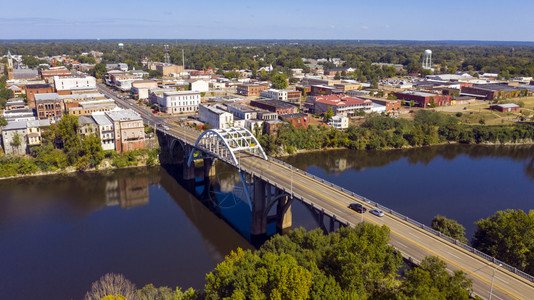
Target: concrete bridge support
{"points": [[265, 197], [258, 222]]}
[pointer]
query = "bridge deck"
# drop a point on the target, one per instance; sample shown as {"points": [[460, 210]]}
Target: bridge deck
{"points": [[412, 241]]}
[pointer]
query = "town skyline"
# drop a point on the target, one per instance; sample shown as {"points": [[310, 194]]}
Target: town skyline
{"points": [[355, 20]]}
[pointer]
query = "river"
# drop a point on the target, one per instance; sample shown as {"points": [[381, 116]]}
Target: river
{"points": [[60, 233]]}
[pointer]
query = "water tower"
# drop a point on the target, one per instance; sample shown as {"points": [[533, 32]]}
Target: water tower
{"points": [[427, 59], [121, 45]]}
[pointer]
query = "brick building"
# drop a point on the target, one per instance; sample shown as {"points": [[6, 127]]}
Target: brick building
{"points": [[423, 99], [251, 89], [490, 91], [318, 90], [129, 130], [391, 105], [48, 106], [277, 106], [34, 89], [299, 120], [292, 96], [507, 107], [55, 71]]}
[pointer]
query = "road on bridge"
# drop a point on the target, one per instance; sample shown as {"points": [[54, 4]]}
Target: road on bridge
{"points": [[413, 242]]}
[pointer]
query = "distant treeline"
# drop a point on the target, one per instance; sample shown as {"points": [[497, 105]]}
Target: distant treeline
{"points": [[507, 59]]}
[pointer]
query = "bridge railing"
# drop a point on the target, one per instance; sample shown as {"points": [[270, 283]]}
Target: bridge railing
{"points": [[410, 220]]}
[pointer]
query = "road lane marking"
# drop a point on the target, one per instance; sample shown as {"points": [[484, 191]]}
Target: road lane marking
{"points": [[402, 244], [416, 236], [372, 221], [453, 255], [501, 280], [495, 296]]}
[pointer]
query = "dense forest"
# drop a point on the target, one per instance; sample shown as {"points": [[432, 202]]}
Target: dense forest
{"points": [[506, 59]]}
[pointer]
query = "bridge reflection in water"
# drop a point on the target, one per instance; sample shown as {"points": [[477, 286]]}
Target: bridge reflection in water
{"points": [[223, 189]]}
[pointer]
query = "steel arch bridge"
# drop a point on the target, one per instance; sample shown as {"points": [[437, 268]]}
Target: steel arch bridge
{"points": [[225, 143]]}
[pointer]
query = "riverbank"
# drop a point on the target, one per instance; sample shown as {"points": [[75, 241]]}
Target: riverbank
{"points": [[529, 142], [147, 158]]}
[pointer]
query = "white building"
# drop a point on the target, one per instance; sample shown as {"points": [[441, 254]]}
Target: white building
{"points": [[378, 108], [216, 116], [339, 122], [179, 102], [200, 86], [14, 138], [105, 130], [119, 66], [125, 85], [241, 111], [74, 83]]}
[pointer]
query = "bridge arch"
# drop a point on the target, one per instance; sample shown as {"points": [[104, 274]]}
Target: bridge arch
{"points": [[224, 143]]}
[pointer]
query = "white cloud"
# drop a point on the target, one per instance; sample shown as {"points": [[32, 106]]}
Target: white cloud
{"points": [[364, 27]]}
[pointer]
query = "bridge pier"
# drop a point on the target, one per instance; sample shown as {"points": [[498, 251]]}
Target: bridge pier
{"points": [[209, 167], [265, 196], [258, 220], [284, 216]]}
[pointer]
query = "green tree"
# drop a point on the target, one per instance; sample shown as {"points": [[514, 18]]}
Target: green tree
{"points": [[449, 227], [279, 81], [337, 76], [3, 121], [432, 281], [244, 275], [328, 115], [16, 142], [99, 71], [509, 236]]}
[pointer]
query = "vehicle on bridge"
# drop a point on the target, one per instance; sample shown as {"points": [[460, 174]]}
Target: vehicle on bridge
{"points": [[377, 212], [357, 207]]}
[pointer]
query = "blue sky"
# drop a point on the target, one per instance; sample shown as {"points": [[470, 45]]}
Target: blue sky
{"points": [[275, 19]]}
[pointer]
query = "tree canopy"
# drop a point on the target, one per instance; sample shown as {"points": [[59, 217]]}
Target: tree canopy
{"points": [[449, 227], [509, 236], [352, 263]]}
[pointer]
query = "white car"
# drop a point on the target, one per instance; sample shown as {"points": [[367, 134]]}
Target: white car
{"points": [[377, 212]]}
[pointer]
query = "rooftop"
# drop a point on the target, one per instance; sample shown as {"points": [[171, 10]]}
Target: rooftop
{"points": [[275, 103], [123, 115], [16, 125], [38, 86], [336, 100], [495, 87], [46, 97], [419, 93], [101, 119]]}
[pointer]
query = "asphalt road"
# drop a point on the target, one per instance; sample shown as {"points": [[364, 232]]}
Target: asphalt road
{"points": [[411, 241]]}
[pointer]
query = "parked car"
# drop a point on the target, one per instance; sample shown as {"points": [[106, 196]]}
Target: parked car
{"points": [[357, 207], [377, 212]]}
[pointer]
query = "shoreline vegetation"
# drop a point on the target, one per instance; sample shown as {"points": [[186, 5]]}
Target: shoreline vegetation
{"points": [[379, 132], [63, 151]]}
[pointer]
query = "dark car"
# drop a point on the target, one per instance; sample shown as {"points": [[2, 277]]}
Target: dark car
{"points": [[357, 207]]}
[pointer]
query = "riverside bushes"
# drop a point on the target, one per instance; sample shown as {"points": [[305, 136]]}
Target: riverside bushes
{"points": [[380, 132]]}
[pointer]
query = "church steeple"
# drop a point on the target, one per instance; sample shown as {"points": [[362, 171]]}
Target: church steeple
{"points": [[9, 66]]}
